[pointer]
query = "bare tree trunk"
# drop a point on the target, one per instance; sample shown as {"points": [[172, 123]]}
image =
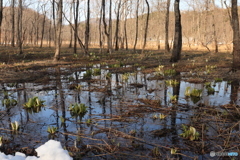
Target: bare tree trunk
{"points": [[71, 31], [110, 28], [177, 44], [54, 20], [100, 30], [214, 27], [167, 48], [13, 23], [43, 28], [108, 32], [1, 18], [117, 25], [87, 30], [49, 34], [125, 29], [58, 30], [146, 27], [19, 27], [75, 25], [78, 39], [236, 38], [136, 35]]}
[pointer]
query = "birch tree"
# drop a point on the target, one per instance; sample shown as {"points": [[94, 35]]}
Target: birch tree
{"points": [[58, 30]]}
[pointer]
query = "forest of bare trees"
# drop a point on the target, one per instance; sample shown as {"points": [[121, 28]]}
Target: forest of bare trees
{"points": [[115, 24]]}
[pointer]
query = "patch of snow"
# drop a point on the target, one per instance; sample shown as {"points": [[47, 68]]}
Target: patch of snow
{"points": [[51, 150]]}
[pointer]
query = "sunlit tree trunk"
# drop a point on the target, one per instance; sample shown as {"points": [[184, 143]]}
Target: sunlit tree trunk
{"points": [[58, 31], [117, 26], [177, 44], [71, 31], [54, 20], [13, 23], [19, 27], [43, 27], [110, 28], [100, 30], [214, 28], [146, 26], [125, 33], [1, 18], [49, 34], [167, 48], [76, 8], [136, 33], [87, 30], [108, 31], [236, 39]]}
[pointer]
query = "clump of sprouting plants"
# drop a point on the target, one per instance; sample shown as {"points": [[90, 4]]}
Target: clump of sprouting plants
{"points": [[195, 94], [207, 84], [108, 76], [52, 132], [193, 62], [71, 78], [160, 116], [63, 120], [11, 85], [89, 64], [88, 122], [171, 82], [93, 57], [173, 151], [121, 64], [96, 71], [159, 70], [170, 72], [209, 68], [78, 87], [75, 55], [88, 74], [34, 105], [125, 77], [218, 80], [172, 98], [189, 133], [78, 110], [210, 89], [15, 126], [103, 63], [9, 102], [136, 65], [188, 91], [156, 152], [1, 141], [142, 67], [116, 65]]}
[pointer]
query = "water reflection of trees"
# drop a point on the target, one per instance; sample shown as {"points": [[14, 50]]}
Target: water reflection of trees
{"points": [[234, 91]]}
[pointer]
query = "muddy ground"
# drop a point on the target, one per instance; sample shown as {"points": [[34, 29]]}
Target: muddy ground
{"points": [[34, 60]]}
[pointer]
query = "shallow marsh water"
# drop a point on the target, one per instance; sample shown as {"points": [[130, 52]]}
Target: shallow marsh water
{"points": [[121, 111]]}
